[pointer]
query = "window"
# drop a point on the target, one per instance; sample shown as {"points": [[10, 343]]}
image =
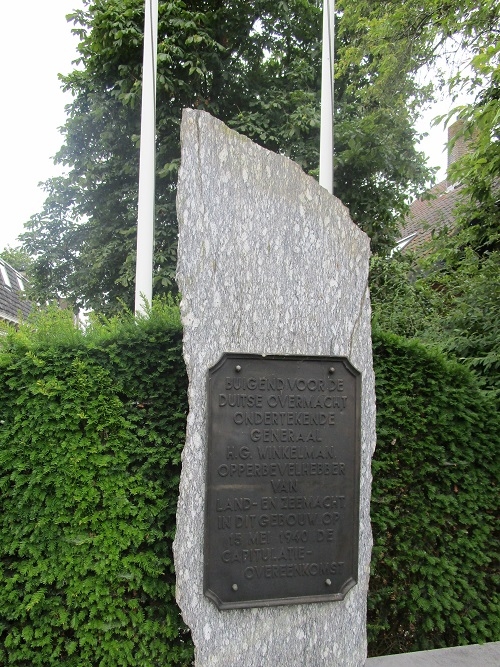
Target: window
{"points": [[5, 275]]}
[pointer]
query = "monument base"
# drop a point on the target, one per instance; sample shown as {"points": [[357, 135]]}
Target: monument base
{"points": [[476, 655]]}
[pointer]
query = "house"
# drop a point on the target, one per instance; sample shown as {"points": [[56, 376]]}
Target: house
{"points": [[435, 210], [13, 304]]}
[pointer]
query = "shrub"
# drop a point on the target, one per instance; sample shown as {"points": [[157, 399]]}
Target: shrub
{"points": [[92, 427], [435, 492], [90, 441]]}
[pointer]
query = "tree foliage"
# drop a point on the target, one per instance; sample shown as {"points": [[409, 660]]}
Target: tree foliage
{"points": [[401, 303], [478, 171], [17, 258], [254, 65], [450, 298], [461, 40], [411, 35]]}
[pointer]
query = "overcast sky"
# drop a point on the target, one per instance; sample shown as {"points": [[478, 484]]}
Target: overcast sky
{"points": [[36, 45]]}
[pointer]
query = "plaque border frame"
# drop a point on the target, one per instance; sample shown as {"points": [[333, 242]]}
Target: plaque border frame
{"points": [[304, 599]]}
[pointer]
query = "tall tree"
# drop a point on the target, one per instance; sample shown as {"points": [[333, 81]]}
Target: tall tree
{"points": [[450, 298], [254, 65], [461, 40]]}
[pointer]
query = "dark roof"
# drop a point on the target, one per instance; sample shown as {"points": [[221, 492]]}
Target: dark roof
{"points": [[13, 303], [429, 215]]}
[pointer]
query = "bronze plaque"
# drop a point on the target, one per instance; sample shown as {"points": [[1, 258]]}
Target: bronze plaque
{"points": [[282, 489]]}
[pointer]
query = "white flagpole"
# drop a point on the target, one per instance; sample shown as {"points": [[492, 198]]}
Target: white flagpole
{"points": [[326, 130], [147, 163]]}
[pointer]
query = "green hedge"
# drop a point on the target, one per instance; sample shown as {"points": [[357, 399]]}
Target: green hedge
{"points": [[435, 494], [90, 440]]}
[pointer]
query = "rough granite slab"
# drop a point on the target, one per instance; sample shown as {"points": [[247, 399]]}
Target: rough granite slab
{"points": [[268, 263]]}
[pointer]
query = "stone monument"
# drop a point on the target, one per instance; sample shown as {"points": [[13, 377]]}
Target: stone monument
{"points": [[272, 551]]}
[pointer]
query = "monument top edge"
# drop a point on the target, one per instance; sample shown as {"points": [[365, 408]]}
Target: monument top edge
{"points": [[245, 356], [203, 118]]}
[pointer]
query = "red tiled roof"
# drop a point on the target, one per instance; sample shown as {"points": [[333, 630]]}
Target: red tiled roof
{"points": [[430, 215]]}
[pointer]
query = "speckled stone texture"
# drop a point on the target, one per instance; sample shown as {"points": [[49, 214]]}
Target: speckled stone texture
{"points": [[268, 263]]}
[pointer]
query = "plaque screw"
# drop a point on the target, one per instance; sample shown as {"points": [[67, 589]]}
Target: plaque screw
{"points": [[238, 369], [331, 370], [328, 582], [234, 587]]}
